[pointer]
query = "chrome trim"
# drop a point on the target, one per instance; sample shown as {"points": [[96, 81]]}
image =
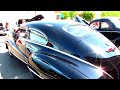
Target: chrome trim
{"points": [[19, 53], [34, 72], [19, 59]]}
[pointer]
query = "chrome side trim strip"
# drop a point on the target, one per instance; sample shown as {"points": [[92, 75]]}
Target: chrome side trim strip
{"points": [[34, 72], [18, 52]]}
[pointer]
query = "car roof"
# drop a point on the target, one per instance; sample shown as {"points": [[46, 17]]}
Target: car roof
{"points": [[53, 22], [56, 34], [106, 18]]}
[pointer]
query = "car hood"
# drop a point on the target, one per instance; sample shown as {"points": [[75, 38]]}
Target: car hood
{"points": [[95, 48]]}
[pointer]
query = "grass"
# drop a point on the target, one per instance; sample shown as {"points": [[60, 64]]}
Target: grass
{"points": [[110, 13]]}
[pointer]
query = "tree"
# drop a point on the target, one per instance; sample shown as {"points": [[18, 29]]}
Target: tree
{"points": [[72, 14], [67, 14], [87, 15]]}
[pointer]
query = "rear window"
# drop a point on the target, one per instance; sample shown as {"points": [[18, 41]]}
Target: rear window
{"points": [[78, 30]]}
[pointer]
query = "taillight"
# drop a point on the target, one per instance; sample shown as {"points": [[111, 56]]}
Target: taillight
{"points": [[111, 49], [6, 40], [49, 44], [20, 41]]}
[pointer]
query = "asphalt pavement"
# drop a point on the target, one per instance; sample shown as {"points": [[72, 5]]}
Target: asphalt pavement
{"points": [[11, 67]]}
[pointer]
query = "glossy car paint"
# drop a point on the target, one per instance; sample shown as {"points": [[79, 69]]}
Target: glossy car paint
{"points": [[81, 43], [69, 45], [51, 62], [60, 64]]}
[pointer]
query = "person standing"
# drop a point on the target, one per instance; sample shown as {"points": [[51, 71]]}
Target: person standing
{"points": [[7, 26]]}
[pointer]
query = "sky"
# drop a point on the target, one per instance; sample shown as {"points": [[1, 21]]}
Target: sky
{"points": [[13, 16]]}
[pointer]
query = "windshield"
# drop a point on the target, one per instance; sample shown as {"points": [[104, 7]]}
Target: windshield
{"points": [[78, 30]]}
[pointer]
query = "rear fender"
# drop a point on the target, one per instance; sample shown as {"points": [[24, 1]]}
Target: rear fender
{"points": [[48, 58]]}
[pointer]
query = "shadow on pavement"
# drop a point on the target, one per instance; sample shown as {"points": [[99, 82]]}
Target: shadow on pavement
{"points": [[11, 67]]}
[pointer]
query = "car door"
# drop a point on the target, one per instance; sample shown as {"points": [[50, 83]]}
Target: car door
{"points": [[34, 37], [20, 42], [44, 69], [106, 29]]}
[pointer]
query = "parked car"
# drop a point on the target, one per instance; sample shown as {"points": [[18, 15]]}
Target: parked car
{"points": [[109, 27], [62, 49], [2, 29]]}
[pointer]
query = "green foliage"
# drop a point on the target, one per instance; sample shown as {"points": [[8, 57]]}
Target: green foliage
{"points": [[110, 14], [87, 15], [72, 14], [68, 14]]}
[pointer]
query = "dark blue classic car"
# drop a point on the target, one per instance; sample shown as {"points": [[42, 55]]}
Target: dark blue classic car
{"points": [[63, 50], [109, 27]]}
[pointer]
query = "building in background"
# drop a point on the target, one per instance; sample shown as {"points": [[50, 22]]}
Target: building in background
{"points": [[58, 14]]}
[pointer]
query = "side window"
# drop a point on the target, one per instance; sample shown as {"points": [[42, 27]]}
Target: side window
{"points": [[20, 33], [95, 25], [104, 25], [38, 38], [23, 33]]}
